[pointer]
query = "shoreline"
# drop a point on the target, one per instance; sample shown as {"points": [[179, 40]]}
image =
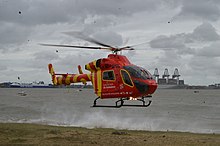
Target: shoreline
{"points": [[38, 134]]}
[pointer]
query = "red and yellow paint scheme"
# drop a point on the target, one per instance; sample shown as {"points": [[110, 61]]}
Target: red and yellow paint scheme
{"points": [[111, 77]]}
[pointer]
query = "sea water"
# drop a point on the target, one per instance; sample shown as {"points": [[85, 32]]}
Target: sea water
{"points": [[171, 110]]}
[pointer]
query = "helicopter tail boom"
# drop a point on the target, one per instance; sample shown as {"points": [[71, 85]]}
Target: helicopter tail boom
{"points": [[67, 79]]}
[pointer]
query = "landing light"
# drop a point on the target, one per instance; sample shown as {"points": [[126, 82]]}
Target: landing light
{"points": [[132, 98]]}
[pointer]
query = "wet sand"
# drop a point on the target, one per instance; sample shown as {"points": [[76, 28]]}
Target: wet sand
{"points": [[34, 134]]}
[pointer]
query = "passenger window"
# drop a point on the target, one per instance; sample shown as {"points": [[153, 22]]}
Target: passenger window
{"points": [[126, 78], [108, 75]]}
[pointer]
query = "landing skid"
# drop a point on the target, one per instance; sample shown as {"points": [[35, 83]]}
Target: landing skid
{"points": [[121, 102]]}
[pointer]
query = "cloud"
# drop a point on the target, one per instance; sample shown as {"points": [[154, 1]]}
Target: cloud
{"points": [[205, 66], [68, 11], [94, 23], [210, 51], [168, 42], [46, 56], [199, 9], [205, 32], [180, 42], [109, 37], [33, 12], [3, 67], [175, 43], [40, 60], [13, 35], [170, 58]]}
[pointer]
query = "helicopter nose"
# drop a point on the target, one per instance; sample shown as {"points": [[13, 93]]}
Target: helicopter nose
{"points": [[152, 86], [148, 87], [141, 86]]}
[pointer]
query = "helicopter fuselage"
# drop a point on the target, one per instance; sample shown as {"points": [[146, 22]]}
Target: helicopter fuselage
{"points": [[116, 77], [112, 77]]}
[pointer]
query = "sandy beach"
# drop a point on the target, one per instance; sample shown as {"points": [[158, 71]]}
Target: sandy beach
{"points": [[33, 134]]}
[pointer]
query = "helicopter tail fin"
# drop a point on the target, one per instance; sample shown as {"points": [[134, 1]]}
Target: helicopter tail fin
{"points": [[80, 69], [53, 75]]}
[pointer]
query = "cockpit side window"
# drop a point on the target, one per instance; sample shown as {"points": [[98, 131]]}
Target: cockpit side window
{"points": [[126, 78], [108, 75]]}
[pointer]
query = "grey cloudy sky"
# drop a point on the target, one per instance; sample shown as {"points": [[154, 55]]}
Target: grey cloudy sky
{"points": [[180, 34]]}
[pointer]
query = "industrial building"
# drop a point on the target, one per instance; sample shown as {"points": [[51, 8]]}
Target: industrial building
{"points": [[166, 80]]}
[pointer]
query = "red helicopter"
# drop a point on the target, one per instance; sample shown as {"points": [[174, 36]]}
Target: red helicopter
{"points": [[112, 77]]}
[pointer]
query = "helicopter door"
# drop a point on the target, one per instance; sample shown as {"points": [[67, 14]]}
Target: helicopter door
{"points": [[109, 82], [126, 78]]}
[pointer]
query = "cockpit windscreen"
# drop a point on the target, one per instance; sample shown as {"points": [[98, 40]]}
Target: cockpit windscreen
{"points": [[138, 72]]}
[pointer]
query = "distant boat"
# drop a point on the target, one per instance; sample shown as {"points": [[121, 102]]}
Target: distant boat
{"points": [[15, 85], [22, 93], [196, 91], [30, 85]]}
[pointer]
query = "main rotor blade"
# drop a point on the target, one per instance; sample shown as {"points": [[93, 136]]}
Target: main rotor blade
{"points": [[126, 48], [131, 46], [97, 42], [72, 46], [138, 44], [84, 37]]}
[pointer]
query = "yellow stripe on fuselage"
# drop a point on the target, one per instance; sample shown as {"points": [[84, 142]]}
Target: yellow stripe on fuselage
{"points": [[75, 78], [99, 83], [59, 80], [67, 81], [89, 76], [93, 78]]}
